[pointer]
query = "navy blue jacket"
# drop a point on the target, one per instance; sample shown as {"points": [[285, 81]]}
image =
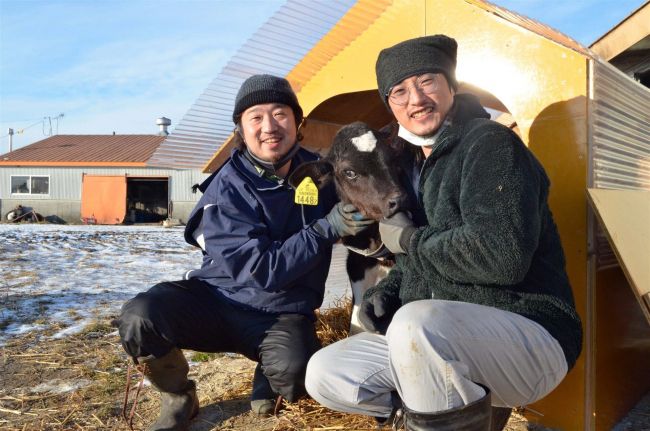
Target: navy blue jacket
{"points": [[260, 249]]}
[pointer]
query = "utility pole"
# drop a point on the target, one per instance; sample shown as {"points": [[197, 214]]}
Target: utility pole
{"points": [[11, 139]]}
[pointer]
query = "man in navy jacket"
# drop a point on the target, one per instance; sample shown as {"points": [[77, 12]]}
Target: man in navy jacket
{"points": [[265, 262]]}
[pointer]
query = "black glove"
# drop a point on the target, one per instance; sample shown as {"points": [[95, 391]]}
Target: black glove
{"points": [[347, 220], [396, 232], [377, 311]]}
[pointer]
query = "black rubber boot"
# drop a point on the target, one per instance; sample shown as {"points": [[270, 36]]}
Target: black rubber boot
{"points": [[475, 416], [263, 399], [178, 404], [500, 416], [390, 420]]}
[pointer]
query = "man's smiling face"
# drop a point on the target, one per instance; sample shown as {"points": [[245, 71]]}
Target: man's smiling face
{"points": [[269, 130], [423, 114]]}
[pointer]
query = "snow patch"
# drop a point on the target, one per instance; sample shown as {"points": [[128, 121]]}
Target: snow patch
{"points": [[59, 386], [67, 276]]}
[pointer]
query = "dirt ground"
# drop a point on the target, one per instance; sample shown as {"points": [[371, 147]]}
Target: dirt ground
{"points": [[79, 383]]}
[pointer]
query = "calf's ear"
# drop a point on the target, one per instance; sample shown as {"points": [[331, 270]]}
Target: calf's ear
{"points": [[320, 171]]}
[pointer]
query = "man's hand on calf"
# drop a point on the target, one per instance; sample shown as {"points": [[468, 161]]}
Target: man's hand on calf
{"points": [[347, 220], [377, 311], [396, 232]]}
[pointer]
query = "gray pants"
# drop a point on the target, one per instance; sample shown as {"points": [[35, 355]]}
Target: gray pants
{"points": [[432, 354]]}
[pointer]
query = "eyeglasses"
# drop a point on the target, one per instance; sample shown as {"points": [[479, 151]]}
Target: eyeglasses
{"points": [[427, 83]]}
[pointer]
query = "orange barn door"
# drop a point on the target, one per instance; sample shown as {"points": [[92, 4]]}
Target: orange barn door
{"points": [[103, 198]]}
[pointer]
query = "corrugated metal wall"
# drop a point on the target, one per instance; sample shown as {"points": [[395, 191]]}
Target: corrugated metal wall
{"points": [[65, 183], [620, 139], [337, 285]]}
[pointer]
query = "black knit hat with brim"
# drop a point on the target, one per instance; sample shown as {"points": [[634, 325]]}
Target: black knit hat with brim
{"points": [[426, 54], [260, 89]]}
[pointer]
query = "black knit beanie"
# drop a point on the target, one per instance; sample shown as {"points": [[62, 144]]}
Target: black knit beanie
{"points": [[413, 57], [259, 89]]}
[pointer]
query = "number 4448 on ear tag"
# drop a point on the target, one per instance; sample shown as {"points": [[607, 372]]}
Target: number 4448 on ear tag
{"points": [[307, 192]]}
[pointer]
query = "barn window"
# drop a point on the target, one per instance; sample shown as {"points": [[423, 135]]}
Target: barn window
{"points": [[30, 185]]}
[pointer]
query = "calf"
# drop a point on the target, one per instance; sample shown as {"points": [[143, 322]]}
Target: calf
{"points": [[366, 171]]}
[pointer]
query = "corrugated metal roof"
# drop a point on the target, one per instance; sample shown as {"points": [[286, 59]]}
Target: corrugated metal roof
{"points": [[282, 43], [275, 48], [357, 20], [93, 149]]}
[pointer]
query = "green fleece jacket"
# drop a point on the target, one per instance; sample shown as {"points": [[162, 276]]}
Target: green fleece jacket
{"points": [[490, 237]]}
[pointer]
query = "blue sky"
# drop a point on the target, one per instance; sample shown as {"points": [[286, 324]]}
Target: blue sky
{"points": [[118, 65]]}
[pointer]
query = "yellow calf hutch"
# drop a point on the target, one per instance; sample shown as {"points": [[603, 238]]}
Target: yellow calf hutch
{"points": [[587, 123]]}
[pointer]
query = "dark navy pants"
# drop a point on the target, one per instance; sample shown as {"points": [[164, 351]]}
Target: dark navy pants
{"points": [[188, 314]]}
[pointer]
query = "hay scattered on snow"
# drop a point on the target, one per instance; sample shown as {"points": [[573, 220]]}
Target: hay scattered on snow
{"points": [[333, 324], [224, 383]]}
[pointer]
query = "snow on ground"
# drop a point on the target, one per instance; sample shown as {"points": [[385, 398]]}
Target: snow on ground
{"points": [[74, 275], [59, 386]]}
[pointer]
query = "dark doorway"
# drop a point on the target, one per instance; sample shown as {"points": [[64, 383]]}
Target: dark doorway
{"points": [[147, 200]]}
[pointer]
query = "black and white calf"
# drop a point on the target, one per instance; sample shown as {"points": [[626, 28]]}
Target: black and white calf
{"points": [[366, 171]]}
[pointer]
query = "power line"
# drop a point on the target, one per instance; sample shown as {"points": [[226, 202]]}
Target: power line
{"points": [[27, 120], [28, 127], [42, 123]]}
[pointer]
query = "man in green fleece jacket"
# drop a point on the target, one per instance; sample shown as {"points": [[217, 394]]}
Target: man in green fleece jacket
{"points": [[478, 310]]}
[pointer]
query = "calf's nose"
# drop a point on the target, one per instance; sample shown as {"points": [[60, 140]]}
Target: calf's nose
{"points": [[395, 203]]}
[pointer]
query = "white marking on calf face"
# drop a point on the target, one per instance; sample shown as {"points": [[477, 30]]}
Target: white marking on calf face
{"points": [[365, 142]]}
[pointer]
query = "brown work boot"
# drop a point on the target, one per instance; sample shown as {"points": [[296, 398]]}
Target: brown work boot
{"points": [[178, 404]]}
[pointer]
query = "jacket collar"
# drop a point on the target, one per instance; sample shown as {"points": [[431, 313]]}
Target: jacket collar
{"points": [[252, 174], [259, 178], [466, 107]]}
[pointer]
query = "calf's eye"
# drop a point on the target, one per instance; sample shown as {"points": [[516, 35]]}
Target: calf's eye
{"points": [[349, 174]]}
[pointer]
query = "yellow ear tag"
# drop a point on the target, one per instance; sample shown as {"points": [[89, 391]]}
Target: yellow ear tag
{"points": [[307, 192]]}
